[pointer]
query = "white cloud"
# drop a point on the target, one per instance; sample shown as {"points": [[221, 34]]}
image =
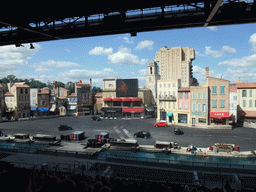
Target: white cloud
{"points": [[12, 56], [145, 44], [247, 61], [42, 70], [143, 72], [213, 28], [101, 51], [124, 57], [67, 50], [252, 40], [242, 74], [85, 74], [128, 40], [199, 54], [221, 53], [52, 63]]}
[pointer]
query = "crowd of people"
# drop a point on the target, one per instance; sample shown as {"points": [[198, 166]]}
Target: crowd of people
{"points": [[34, 180]]}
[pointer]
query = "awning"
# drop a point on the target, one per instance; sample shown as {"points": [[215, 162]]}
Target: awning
{"points": [[43, 109], [33, 108], [136, 99], [169, 114], [107, 99], [127, 99], [132, 110], [220, 115], [149, 109], [117, 99]]}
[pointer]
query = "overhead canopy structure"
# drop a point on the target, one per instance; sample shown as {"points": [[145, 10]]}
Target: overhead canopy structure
{"points": [[22, 22]]}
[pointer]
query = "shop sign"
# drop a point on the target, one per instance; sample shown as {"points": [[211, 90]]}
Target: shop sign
{"points": [[198, 113]]}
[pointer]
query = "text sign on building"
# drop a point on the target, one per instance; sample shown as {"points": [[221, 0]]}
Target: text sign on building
{"points": [[127, 88], [219, 114]]}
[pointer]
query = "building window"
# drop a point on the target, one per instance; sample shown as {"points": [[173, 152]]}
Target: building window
{"points": [[199, 96], [204, 95], [169, 85], [180, 95], [198, 107], [180, 105], [235, 97], [214, 89], [43, 103], [43, 96], [111, 85], [244, 103], [26, 91], [160, 85], [193, 96], [186, 95], [222, 103], [193, 107], [255, 103], [214, 103], [222, 89], [21, 91], [204, 108], [250, 93], [186, 105], [173, 105], [250, 103], [244, 93], [164, 85]]}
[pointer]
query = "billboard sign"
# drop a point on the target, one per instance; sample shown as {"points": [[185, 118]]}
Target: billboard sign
{"points": [[127, 88]]}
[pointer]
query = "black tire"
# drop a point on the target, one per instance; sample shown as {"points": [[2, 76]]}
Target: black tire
{"points": [[156, 125], [165, 126]]}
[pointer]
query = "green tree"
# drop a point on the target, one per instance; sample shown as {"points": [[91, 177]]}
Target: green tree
{"points": [[70, 86], [11, 78], [96, 90]]}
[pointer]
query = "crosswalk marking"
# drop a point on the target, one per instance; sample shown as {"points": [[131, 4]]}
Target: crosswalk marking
{"points": [[121, 134]]}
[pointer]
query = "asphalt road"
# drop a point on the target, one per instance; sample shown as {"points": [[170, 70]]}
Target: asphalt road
{"points": [[125, 128]]}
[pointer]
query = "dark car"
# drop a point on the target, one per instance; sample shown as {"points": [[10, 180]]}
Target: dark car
{"points": [[95, 118], [142, 134], [64, 127], [178, 131]]}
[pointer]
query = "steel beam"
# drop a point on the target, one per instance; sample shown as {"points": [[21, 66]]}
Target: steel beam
{"points": [[213, 12]]}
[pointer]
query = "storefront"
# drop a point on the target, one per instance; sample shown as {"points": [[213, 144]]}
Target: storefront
{"points": [[219, 118], [199, 118], [111, 112], [170, 117], [183, 118], [132, 112]]}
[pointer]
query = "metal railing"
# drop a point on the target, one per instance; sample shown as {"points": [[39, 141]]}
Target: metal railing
{"points": [[181, 162]]}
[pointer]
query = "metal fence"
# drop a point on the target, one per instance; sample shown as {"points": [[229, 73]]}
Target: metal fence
{"points": [[181, 162]]}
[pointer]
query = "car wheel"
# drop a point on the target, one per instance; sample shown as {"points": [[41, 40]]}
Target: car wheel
{"points": [[135, 136], [156, 125], [165, 126], [145, 137]]}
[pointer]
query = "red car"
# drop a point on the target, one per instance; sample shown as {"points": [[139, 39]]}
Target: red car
{"points": [[161, 124]]}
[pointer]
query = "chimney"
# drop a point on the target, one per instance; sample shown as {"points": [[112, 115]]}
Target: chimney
{"points": [[80, 81], [90, 81], [207, 72], [55, 84]]}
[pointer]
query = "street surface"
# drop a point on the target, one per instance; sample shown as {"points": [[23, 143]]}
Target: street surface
{"points": [[125, 128]]}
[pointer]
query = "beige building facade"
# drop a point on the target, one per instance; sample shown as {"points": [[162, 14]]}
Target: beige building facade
{"points": [[176, 63], [21, 93], [218, 99], [199, 105]]}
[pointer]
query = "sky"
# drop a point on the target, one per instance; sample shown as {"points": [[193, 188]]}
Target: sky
{"points": [[229, 52]]}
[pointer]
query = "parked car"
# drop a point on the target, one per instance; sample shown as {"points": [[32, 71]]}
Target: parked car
{"points": [[95, 118], [161, 124], [142, 134], [64, 127], [178, 131]]}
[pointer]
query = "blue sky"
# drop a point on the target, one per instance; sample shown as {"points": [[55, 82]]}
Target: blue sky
{"points": [[229, 51]]}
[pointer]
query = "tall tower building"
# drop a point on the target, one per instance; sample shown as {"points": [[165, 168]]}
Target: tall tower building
{"points": [[151, 80], [176, 64]]}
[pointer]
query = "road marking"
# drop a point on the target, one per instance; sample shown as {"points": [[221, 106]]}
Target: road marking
{"points": [[129, 135], [118, 132]]}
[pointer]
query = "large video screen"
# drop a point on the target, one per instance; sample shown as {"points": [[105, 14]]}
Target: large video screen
{"points": [[127, 87]]}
